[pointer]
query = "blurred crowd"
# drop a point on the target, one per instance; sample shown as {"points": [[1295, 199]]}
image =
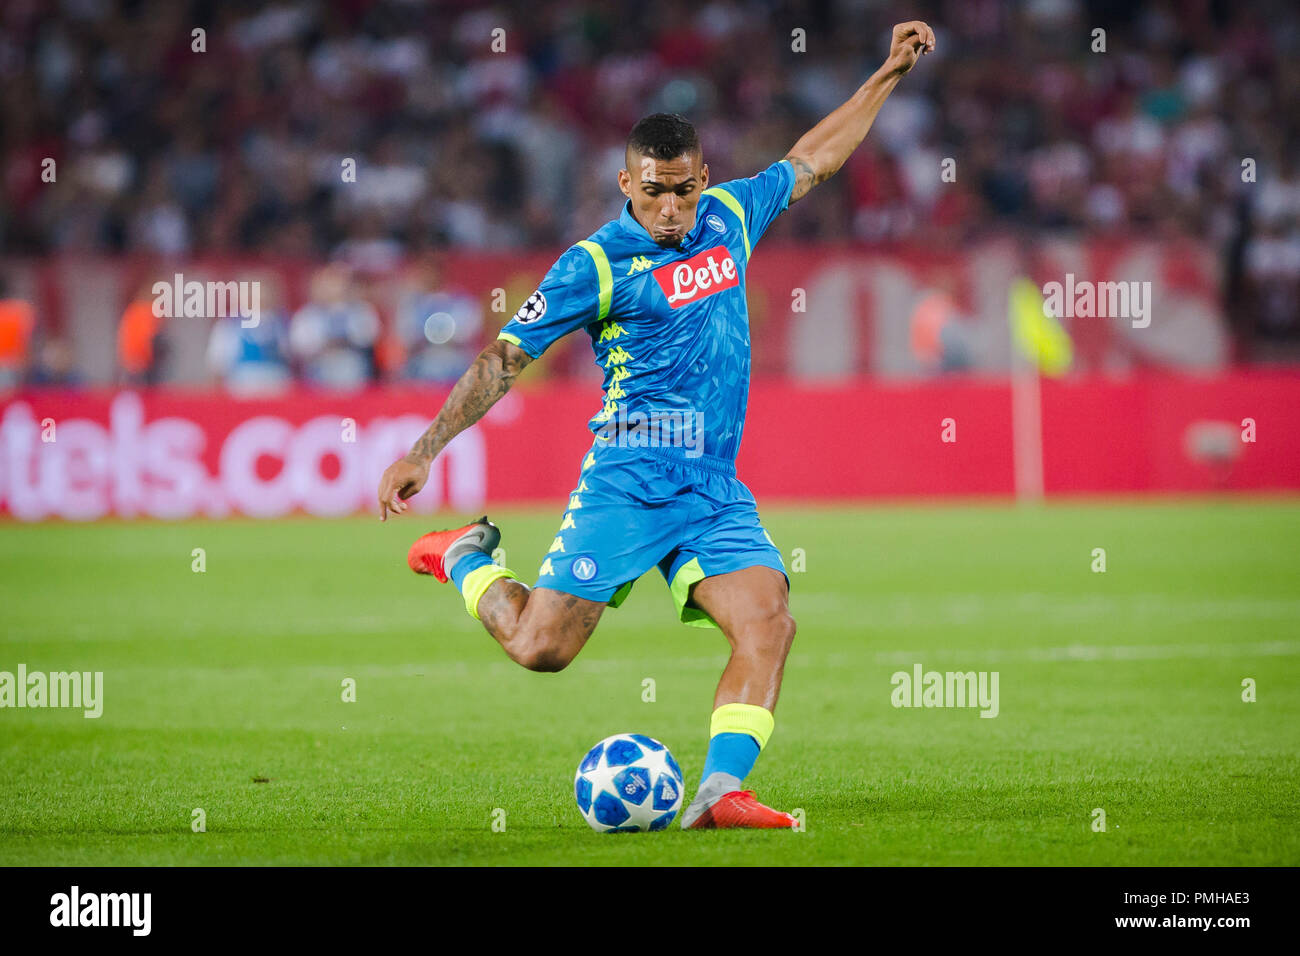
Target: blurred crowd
{"points": [[499, 126], [336, 339]]}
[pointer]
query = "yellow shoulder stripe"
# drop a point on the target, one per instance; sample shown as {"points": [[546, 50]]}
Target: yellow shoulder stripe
{"points": [[603, 273], [732, 203]]}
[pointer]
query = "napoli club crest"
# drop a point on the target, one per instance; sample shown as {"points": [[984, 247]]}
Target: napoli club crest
{"points": [[533, 309], [715, 224], [584, 569]]}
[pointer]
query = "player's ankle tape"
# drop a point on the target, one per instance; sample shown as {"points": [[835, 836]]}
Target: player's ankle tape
{"points": [[478, 581], [750, 719]]}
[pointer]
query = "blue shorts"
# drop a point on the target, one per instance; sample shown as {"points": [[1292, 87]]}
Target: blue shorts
{"points": [[638, 508]]}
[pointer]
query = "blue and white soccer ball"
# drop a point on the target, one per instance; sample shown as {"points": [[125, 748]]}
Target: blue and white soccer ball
{"points": [[628, 782]]}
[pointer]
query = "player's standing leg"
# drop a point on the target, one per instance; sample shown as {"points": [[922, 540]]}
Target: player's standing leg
{"points": [[751, 607]]}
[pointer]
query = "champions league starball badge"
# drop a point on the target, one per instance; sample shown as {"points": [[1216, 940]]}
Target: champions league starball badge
{"points": [[533, 309]]}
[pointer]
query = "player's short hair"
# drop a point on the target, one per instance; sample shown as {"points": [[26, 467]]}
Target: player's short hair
{"points": [[663, 136]]}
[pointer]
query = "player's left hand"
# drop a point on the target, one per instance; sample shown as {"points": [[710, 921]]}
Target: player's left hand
{"points": [[910, 42], [402, 479]]}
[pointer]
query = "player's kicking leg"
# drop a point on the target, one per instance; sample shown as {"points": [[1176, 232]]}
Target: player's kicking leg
{"points": [[751, 607], [539, 628]]}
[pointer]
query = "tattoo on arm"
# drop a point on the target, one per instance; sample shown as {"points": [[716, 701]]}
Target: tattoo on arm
{"points": [[804, 178], [821, 151], [490, 377]]}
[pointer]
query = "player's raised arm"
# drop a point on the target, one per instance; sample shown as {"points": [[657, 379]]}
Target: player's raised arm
{"points": [[821, 151], [482, 385]]}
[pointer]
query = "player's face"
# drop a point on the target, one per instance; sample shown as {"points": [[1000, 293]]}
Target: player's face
{"points": [[664, 193]]}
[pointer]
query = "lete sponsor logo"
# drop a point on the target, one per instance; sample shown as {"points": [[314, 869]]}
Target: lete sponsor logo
{"points": [[698, 277]]}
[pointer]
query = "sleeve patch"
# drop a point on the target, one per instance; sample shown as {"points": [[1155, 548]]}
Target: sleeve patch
{"points": [[533, 309]]}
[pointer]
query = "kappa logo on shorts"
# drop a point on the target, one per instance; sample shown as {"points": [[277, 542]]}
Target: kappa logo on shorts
{"points": [[584, 569], [712, 270], [533, 309]]}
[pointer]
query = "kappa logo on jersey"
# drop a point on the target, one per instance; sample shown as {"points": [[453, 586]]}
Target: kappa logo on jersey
{"points": [[533, 309], [639, 264], [698, 277]]}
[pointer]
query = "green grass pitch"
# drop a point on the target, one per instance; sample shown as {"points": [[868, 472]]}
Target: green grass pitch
{"points": [[1119, 690]]}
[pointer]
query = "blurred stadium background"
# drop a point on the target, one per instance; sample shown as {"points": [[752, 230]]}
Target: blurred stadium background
{"points": [[879, 305]]}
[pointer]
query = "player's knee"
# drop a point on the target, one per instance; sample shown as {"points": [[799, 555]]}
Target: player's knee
{"points": [[548, 661], [770, 635], [785, 628], [545, 653]]}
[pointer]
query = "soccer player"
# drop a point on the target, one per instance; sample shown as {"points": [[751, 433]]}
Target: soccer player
{"points": [[661, 292]]}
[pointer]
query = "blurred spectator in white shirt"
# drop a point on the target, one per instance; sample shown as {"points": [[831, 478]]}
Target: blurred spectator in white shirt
{"points": [[437, 324], [333, 336], [253, 359]]}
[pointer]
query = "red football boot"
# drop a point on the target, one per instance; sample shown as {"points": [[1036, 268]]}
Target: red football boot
{"points": [[738, 809], [438, 550]]}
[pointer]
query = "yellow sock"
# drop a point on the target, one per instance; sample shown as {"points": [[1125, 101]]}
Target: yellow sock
{"points": [[750, 719], [477, 582]]}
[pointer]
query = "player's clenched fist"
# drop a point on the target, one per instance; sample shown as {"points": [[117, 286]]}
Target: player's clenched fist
{"points": [[910, 41], [402, 479]]}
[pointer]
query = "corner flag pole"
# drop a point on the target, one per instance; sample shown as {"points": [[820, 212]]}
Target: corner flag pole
{"points": [[1026, 429], [1038, 345]]}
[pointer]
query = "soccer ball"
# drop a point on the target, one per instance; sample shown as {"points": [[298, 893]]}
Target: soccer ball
{"points": [[627, 783]]}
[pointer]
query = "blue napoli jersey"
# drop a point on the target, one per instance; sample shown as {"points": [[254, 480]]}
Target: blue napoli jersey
{"points": [[669, 326]]}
